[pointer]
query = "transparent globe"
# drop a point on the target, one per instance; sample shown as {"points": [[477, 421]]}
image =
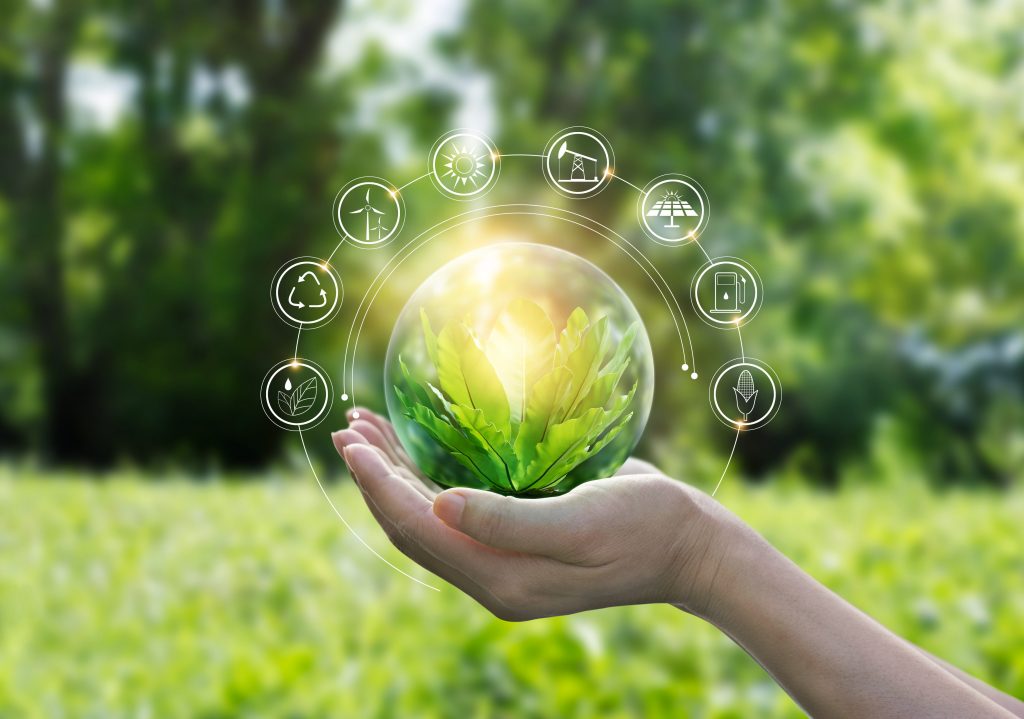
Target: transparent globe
{"points": [[521, 369]]}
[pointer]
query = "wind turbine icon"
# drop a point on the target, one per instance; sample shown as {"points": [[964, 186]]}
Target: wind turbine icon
{"points": [[367, 209]]}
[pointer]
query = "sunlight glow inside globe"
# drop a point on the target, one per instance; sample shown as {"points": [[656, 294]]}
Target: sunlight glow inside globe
{"points": [[519, 368]]}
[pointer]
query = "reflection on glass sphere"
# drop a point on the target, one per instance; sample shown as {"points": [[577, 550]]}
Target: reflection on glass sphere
{"points": [[519, 368]]}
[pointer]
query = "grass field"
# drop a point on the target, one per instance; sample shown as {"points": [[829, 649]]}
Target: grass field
{"points": [[178, 599]]}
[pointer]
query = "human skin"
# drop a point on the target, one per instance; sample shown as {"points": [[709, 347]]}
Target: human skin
{"points": [[640, 537]]}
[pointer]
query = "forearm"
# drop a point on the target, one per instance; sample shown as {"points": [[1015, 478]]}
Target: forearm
{"points": [[1012, 705], [834, 660]]}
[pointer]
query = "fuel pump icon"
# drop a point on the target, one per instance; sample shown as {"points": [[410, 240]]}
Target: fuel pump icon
{"points": [[730, 293]]}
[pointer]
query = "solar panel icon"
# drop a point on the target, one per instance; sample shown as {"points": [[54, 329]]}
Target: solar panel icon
{"points": [[672, 206]]}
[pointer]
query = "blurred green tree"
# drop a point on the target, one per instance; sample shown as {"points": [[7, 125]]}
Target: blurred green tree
{"points": [[865, 157]]}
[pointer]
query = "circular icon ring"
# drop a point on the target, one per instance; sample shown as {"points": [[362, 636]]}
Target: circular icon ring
{"points": [[369, 212], [745, 394], [306, 292], [673, 209], [726, 292], [578, 162], [464, 164], [296, 394]]}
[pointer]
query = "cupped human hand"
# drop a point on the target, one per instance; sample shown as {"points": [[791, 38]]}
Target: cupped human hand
{"points": [[638, 537]]}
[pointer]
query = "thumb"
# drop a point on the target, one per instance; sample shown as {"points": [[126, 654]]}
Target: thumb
{"points": [[534, 526]]}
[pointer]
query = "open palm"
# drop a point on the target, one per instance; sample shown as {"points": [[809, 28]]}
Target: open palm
{"points": [[633, 538]]}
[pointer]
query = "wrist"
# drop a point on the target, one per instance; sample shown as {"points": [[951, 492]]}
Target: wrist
{"points": [[717, 561]]}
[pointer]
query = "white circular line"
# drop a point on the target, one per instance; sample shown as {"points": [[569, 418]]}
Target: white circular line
{"points": [[593, 187], [694, 233], [728, 461], [349, 526], [363, 302], [702, 219], [732, 320], [747, 425], [394, 200], [489, 148], [485, 213], [277, 292], [324, 384]]}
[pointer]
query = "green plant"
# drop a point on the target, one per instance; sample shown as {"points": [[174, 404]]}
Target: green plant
{"points": [[523, 407]]}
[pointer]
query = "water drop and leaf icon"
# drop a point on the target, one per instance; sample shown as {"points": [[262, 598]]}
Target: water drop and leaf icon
{"points": [[301, 399]]}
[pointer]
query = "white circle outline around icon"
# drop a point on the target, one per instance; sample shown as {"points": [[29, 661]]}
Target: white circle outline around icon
{"points": [[368, 182], [489, 148], [606, 149], [695, 187], [732, 322], [327, 316], [768, 415], [325, 383]]}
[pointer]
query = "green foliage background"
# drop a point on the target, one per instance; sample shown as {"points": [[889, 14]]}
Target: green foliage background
{"points": [[158, 162], [178, 599]]}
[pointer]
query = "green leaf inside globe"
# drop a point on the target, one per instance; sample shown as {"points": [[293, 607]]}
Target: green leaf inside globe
{"points": [[521, 369]]}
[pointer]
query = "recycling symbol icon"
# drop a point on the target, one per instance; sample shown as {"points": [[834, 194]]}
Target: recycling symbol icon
{"points": [[300, 304], [307, 292]]}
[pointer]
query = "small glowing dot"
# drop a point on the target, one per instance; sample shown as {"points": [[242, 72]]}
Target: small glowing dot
{"points": [[736, 321], [686, 367], [355, 415], [393, 193], [344, 398], [691, 235], [693, 375], [295, 363], [609, 171], [324, 266], [495, 155]]}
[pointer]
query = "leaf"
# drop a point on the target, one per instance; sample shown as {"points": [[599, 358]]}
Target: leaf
{"points": [[609, 435], [474, 422], [469, 452], [621, 357], [608, 378], [419, 392], [428, 337], [575, 326], [547, 395], [303, 396], [521, 348], [563, 442], [467, 376], [569, 443], [585, 363], [564, 406], [283, 403]]}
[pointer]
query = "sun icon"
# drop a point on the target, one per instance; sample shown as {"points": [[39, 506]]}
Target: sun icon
{"points": [[463, 165]]}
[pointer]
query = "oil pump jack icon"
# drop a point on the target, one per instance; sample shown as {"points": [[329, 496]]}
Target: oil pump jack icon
{"points": [[367, 210], [300, 304], [581, 168]]}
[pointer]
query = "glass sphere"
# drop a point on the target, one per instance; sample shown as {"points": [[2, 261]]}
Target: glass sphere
{"points": [[519, 368]]}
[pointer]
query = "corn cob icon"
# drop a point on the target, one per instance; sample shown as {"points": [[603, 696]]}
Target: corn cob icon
{"points": [[746, 395]]}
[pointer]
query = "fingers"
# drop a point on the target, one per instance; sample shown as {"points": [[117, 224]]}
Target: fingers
{"points": [[534, 526], [410, 513], [347, 437], [422, 557], [634, 465], [375, 437], [495, 578], [375, 419], [381, 434]]}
